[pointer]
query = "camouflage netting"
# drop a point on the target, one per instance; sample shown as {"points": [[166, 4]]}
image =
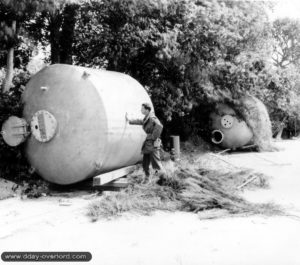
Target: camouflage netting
{"points": [[255, 113], [194, 184]]}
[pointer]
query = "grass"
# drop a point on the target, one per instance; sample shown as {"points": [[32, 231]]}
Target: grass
{"points": [[7, 189], [188, 186]]}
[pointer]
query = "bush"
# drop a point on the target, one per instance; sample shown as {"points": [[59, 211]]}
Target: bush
{"points": [[13, 164]]}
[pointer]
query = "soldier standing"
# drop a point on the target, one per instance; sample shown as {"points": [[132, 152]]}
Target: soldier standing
{"points": [[152, 143]]}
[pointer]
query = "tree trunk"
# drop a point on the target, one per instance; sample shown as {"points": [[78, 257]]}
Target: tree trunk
{"points": [[279, 134], [7, 82], [54, 28], [67, 34]]}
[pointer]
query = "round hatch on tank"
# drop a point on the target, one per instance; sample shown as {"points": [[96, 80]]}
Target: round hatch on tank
{"points": [[227, 121], [43, 126], [14, 131]]}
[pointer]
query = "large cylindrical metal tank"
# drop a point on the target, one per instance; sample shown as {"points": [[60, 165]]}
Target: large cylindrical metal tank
{"points": [[228, 130], [83, 111]]}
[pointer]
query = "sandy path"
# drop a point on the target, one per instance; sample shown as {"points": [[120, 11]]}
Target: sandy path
{"points": [[167, 238], [283, 167]]}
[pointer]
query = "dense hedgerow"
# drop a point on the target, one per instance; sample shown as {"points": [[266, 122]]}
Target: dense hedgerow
{"points": [[13, 164]]}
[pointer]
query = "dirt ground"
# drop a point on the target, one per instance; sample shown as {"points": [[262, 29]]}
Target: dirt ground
{"points": [[61, 224]]}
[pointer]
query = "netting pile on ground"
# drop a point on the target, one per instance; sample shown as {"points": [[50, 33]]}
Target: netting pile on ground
{"points": [[255, 113], [190, 187]]}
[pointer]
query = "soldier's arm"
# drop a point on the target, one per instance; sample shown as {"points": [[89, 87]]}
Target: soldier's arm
{"points": [[133, 121]]}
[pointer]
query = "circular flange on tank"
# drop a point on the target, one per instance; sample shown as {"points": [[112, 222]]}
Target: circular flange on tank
{"points": [[14, 131], [43, 126], [227, 121]]}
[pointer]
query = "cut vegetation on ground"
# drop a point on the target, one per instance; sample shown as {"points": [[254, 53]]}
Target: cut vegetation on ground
{"points": [[207, 183]]}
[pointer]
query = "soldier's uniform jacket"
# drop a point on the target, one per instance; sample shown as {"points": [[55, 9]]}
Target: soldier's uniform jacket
{"points": [[152, 128]]}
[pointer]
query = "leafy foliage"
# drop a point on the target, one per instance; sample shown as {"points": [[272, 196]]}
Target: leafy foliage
{"points": [[12, 163], [286, 34], [55, 27], [13, 14], [20, 11], [178, 50]]}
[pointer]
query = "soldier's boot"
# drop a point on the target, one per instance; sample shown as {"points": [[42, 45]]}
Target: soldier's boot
{"points": [[146, 179]]}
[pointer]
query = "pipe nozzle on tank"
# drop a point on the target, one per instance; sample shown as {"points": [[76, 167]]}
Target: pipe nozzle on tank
{"points": [[217, 136], [15, 131]]}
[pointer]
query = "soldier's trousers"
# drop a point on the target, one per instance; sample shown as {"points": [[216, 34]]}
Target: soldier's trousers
{"points": [[154, 159]]}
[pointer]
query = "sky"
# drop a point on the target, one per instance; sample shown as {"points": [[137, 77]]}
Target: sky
{"points": [[286, 8]]}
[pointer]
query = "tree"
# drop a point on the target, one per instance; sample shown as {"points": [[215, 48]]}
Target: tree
{"points": [[174, 48], [135, 37], [186, 53], [13, 15], [56, 28], [286, 33]]}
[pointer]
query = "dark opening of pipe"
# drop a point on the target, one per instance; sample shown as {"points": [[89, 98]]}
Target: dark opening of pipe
{"points": [[217, 137]]}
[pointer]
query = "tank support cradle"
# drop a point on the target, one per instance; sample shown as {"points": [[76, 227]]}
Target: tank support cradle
{"points": [[108, 178]]}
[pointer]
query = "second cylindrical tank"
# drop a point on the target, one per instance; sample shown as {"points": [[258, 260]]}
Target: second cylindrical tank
{"points": [[228, 130]]}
